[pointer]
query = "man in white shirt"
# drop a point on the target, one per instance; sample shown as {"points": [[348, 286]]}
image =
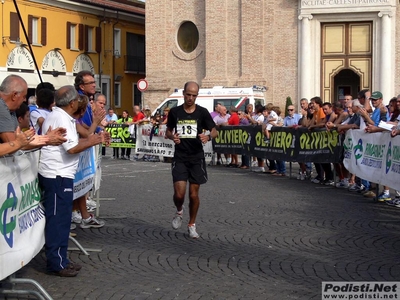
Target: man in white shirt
{"points": [[57, 168]]}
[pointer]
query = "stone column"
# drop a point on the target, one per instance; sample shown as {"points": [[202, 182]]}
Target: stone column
{"points": [[385, 73], [305, 66]]}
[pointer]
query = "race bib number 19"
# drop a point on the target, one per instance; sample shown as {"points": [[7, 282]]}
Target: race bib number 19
{"points": [[187, 129]]}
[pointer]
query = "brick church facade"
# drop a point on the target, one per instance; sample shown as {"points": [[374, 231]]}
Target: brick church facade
{"points": [[295, 48]]}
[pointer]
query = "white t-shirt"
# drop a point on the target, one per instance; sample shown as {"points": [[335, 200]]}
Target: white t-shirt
{"points": [[273, 116], [258, 118], [35, 115], [55, 160]]}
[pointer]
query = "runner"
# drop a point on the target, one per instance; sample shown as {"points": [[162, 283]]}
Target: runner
{"points": [[185, 127]]}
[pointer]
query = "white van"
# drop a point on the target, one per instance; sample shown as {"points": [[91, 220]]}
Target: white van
{"points": [[227, 96]]}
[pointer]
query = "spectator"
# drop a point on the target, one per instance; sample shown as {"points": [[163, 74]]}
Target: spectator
{"points": [[394, 110], [330, 116], [363, 97], [380, 113], [22, 114], [111, 117], [346, 101], [306, 116], [270, 119], [147, 115], [85, 84], [45, 101], [258, 119], [234, 121], [292, 119], [243, 121], [165, 115], [13, 91], [126, 119], [57, 182], [32, 103], [222, 120], [280, 164], [216, 110]]}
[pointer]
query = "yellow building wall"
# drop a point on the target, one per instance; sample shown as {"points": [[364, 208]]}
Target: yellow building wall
{"points": [[105, 64]]}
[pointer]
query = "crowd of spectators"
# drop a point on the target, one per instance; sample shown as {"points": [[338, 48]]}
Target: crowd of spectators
{"points": [[365, 112]]}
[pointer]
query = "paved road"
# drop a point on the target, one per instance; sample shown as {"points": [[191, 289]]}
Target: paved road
{"points": [[262, 237]]}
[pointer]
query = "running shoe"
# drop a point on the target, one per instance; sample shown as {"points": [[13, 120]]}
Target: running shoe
{"points": [[91, 205], [177, 221], [369, 194], [76, 217], [192, 232], [393, 202], [316, 180], [384, 197], [92, 222], [329, 182]]}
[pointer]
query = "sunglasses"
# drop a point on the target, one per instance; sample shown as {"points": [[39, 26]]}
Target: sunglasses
{"points": [[290, 109], [374, 99]]}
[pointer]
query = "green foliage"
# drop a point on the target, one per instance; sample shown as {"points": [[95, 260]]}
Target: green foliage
{"points": [[288, 103]]}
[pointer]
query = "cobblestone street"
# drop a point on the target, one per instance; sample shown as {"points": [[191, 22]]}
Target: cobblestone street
{"points": [[262, 237]]}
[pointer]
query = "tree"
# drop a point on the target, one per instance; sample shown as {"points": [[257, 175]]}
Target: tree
{"points": [[288, 103]]}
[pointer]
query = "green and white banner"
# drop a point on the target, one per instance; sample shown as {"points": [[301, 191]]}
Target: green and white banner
{"points": [[373, 156], [22, 218]]}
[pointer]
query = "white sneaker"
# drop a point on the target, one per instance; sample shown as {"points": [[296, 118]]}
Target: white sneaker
{"points": [[301, 176], [76, 217], [258, 169], [254, 163], [91, 203], [192, 232], [177, 221]]}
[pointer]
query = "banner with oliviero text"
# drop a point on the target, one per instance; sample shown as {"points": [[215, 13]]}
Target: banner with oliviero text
{"points": [[285, 143], [22, 218], [150, 141], [373, 156]]}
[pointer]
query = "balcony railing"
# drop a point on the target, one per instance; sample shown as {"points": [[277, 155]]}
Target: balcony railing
{"points": [[135, 64]]}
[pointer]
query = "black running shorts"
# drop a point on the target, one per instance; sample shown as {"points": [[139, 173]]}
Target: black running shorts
{"points": [[192, 171]]}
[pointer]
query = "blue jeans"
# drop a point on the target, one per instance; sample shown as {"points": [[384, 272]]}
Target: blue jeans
{"points": [[280, 167], [366, 183], [57, 196]]}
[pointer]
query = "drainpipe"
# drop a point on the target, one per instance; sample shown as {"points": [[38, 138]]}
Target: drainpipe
{"points": [[101, 49], [113, 58]]}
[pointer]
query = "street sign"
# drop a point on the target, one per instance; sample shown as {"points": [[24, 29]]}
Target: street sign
{"points": [[142, 85]]}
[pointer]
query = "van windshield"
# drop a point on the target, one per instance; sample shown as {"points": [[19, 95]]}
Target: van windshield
{"points": [[170, 103], [259, 101], [239, 103]]}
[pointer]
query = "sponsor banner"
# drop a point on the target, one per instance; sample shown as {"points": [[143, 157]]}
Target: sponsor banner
{"points": [[84, 177], [22, 218], [287, 144], [233, 139], [152, 141], [360, 290], [319, 145], [373, 156], [122, 135]]}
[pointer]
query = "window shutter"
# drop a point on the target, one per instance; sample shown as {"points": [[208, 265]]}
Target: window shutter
{"points": [[81, 37], [85, 40], [68, 42], [14, 26], [30, 17], [44, 31], [98, 39]]}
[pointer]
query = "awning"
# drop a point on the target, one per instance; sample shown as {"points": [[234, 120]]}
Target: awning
{"points": [[32, 79]]}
